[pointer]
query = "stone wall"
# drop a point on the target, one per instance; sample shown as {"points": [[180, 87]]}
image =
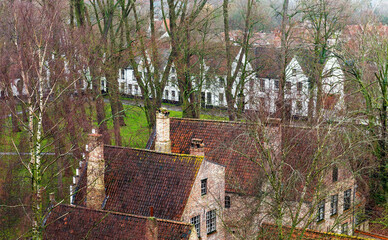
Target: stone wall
{"points": [[199, 205]]}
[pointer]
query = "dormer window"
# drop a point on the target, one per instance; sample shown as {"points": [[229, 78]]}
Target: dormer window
{"points": [[203, 186], [294, 72]]}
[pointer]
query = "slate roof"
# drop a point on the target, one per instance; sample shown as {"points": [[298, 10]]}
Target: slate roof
{"points": [[226, 143], [137, 179], [70, 222]]}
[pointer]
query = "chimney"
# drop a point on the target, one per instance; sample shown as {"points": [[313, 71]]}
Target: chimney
{"points": [[163, 142], [151, 229], [197, 147], [95, 171]]}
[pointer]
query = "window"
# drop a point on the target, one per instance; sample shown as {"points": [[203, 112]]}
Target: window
{"points": [[207, 83], [335, 174], [172, 69], [288, 87], [122, 73], [136, 89], [122, 86], [293, 72], [211, 221], [221, 82], [344, 228], [321, 211], [227, 201], [203, 187], [209, 98], [221, 99], [130, 88], [299, 106], [300, 86], [276, 84], [196, 221], [173, 95], [347, 194], [166, 93], [173, 81], [334, 204], [262, 85]]}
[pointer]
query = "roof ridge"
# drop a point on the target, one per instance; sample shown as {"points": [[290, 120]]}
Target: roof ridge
{"points": [[269, 120], [153, 151], [127, 214]]}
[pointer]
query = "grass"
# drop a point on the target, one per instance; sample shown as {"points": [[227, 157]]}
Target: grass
{"points": [[136, 133]]}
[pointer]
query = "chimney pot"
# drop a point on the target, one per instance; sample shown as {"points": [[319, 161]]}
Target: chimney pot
{"points": [[197, 147]]}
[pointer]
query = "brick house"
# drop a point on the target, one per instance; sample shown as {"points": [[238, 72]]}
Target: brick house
{"points": [[329, 204], [177, 187]]}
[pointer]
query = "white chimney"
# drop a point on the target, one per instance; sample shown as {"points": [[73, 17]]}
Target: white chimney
{"points": [[163, 142]]}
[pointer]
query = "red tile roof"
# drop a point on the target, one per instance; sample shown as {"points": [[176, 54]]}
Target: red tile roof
{"points": [[270, 231], [70, 222], [138, 179], [226, 143]]}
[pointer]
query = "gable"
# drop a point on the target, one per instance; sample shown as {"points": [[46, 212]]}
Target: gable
{"points": [[136, 180]]}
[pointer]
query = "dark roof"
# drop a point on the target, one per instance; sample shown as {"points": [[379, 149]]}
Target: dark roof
{"points": [[267, 62], [70, 222], [137, 179], [226, 143]]}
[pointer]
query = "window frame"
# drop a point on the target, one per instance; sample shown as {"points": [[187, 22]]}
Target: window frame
{"points": [[335, 174], [227, 201], [211, 221], [344, 228], [203, 187], [276, 85], [321, 211], [299, 87], [347, 199], [288, 87], [208, 98], [262, 85], [221, 99], [196, 221], [334, 205]]}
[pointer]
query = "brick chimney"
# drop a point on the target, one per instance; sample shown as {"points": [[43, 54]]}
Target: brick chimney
{"points": [[197, 147], [151, 229], [95, 171], [163, 142]]}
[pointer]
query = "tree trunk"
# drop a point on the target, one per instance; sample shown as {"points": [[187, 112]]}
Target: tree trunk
{"points": [[100, 106], [114, 104]]}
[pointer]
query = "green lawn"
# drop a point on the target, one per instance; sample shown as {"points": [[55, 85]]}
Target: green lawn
{"points": [[136, 133]]}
